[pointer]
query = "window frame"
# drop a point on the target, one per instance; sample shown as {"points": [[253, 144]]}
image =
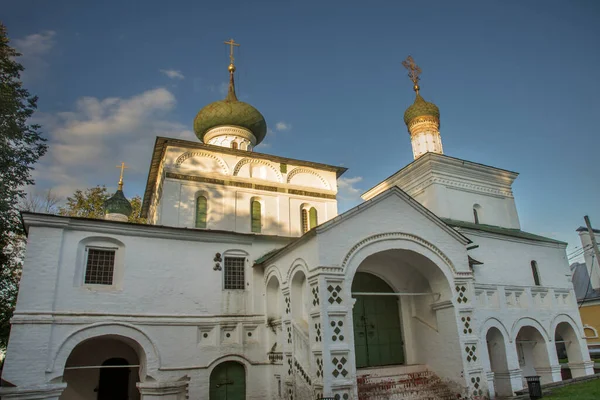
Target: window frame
{"points": [[254, 218], [114, 265], [227, 280], [198, 197], [535, 271]]}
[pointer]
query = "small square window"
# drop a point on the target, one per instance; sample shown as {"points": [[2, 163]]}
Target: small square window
{"points": [[100, 266], [234, 273]]}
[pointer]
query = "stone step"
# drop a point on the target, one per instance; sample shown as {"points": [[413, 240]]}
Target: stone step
{"points": [[401, 383]]}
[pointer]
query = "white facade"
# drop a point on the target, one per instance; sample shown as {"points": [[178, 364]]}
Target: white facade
{"points": [[479, 303]]}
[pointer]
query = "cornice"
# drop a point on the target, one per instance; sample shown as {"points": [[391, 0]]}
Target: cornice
{"points": [[448, 171], [142, 230]]}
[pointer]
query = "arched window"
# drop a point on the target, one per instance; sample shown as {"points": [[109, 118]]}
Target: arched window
{"points": [[534, 271], [308, 216], [476, 213], [201, 211], [256, 217], [304, 216], [312, 215], [234, 145]]}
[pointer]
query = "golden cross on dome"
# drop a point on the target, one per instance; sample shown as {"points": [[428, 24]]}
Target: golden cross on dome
{"points": [[231, 44], [123, 167], [413, 71]]}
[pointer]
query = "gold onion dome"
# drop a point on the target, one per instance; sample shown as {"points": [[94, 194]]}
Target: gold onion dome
{"points": [[230, 112], [421, 108]]}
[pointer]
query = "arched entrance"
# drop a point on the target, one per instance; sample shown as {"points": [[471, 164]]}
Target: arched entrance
{"points": [[533, 354], [228, 381], [412, 314], [102, 368], [568, 350], [498, 362], [377, 328]]}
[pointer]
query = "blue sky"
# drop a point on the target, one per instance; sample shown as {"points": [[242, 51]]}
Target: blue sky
{"points": [[516, 83]]}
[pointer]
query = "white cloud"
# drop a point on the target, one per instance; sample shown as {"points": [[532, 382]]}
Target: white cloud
{"points": [[172, 73], [86, 143], [347, 189], [34, 48], [36, 45], [283, 126]]}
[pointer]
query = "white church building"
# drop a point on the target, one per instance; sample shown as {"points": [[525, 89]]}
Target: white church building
{"points": [[247, 283]]}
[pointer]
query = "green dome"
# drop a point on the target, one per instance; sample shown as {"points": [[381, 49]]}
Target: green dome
{"points": [[421, 108], [230, 112], [118, 204]]}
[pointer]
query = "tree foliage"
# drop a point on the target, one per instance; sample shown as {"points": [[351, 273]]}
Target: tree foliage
{"points": [[21, 145], [89, 204]]}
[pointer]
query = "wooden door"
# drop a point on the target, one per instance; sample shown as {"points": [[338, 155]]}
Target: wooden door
{"points": [[228, 382], [377, 328]]}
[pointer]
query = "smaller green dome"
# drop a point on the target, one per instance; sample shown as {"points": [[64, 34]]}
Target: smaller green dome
{"points": [[118, 204], [421, 108]]}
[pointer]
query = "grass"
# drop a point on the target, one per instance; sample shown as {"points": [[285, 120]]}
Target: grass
{"points": [[580, 391]]}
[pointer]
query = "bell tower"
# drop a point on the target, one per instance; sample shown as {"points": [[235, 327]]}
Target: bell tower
{"points": [[422, 118]]}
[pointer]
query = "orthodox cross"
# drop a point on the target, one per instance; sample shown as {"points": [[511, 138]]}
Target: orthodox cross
{"points": [[413, 71], [123, 167], [231, 44]]}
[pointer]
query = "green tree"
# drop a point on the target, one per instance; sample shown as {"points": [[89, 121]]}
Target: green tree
{"points": [[90, 204], [21, 145]]}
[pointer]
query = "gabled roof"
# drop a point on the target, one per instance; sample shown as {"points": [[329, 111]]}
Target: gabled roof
{"points": [[393, 191], [500, 231], [161, 144]]}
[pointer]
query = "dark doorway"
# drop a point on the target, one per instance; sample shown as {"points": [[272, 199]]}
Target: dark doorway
{"points": [[114, 381]]}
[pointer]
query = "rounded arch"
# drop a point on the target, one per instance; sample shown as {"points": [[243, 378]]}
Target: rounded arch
{"points": [[239, 358], [191, 154], [273, 297], [560, 318], [273, 270], [593, 332], [301, 170], [397, 241], [297, 264], [149, 355], [244, 161], [493, 322], [299, 295], [528, 321]]}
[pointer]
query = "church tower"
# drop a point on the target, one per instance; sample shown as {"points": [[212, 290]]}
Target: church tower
{"points": [[422, 118], [230, 122]]}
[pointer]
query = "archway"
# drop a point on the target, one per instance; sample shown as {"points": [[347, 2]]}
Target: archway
{"points": [[102, 368], [533, 354], [228, 381], [273, 307], [412, 300], [568, 349], [498, 362], [299, 297]]}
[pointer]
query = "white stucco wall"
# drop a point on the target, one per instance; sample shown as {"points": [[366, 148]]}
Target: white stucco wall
{"points": [[231, 181]]}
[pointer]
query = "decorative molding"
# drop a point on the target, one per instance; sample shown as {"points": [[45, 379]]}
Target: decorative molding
{"points": [[302, 170], [397, 236], [248, 185], [230, 131], [189, 154], [244, 161]]}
